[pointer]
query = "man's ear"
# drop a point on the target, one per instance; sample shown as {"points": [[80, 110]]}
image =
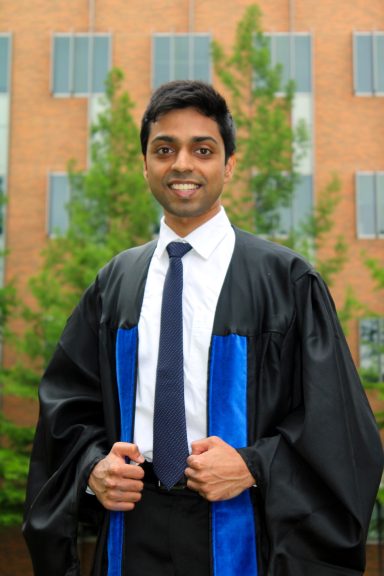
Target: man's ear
{"points": [[145, 171], [229, 168]]}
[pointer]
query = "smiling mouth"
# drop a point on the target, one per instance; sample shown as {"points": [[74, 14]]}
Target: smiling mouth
{"points": [[184, 187]]}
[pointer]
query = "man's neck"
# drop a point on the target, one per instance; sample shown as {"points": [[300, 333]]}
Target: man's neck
{"points": [[184, 226]]}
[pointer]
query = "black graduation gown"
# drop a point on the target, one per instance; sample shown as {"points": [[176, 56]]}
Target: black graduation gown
{"points": [[282, 388]]}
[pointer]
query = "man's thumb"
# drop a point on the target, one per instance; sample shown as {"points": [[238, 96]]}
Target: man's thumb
{"points": [[128, 450], [200, 446]]}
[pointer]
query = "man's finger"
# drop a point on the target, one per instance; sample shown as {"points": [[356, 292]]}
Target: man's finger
{"points": [[194, 462], [121, 505], [131, 486], [205, 444], [131, 471], [200, 446], [128, 450]]}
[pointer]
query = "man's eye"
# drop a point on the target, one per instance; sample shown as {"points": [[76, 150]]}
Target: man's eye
{"points": [[164, 150], [204, 151]]}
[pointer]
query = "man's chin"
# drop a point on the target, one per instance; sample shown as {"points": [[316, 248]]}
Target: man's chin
{"points": [[192, 215], [186, 211]]}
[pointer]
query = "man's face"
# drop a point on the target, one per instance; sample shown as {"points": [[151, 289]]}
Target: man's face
{"points": [[185, 167]]}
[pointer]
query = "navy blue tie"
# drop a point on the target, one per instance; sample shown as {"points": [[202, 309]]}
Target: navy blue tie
{"points": [[170, 444]]}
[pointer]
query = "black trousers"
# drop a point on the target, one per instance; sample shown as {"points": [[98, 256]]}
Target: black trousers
{"points": [[167, 534]]}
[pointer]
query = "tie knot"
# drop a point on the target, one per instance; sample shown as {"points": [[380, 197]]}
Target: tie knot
{"points": [[178, 249]]}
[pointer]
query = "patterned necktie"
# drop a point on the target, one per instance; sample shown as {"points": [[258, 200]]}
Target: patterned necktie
{"points": [[170, 445]]}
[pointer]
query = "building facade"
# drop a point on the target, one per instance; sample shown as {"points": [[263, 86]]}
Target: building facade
{"points": [[54, 56]]}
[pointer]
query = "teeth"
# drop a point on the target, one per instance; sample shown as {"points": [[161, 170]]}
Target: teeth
{"points": [[184, 186]]}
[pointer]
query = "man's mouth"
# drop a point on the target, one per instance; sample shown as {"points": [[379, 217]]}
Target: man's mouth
{"points": [[184, 190], [184, 186]]}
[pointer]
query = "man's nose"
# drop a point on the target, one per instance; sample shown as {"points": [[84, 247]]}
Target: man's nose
{"points": [[183, 162]]}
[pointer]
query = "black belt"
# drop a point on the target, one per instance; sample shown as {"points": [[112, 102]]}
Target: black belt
{"points": [[150, 479]]}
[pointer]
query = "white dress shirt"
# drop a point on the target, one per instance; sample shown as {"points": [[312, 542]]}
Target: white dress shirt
{"points": [[204, 270]]}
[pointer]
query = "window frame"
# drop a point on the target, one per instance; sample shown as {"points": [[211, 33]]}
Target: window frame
{"points": [[379, 357], [3, 195], [4, 164], [376, 235], [292, 207], [8, 35], [374, 63], [50, 230], [292, 62], [71, 93], [191, 40]]}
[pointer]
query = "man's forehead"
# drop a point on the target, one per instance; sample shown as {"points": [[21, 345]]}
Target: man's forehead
{"points": [[185, 122], [164, 137]]}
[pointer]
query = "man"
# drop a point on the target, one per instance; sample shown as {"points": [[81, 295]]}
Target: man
{"points": [[284, 456]]}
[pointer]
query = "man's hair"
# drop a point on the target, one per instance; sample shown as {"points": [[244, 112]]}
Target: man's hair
{"points": [[190, 94]]}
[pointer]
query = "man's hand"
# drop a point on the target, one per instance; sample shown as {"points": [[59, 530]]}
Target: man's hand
{"points": [[216, 470], [116, 484]]}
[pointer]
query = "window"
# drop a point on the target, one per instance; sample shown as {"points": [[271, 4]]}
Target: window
{"points": [[369, 63], [5, 53], [293, 52], [59, 196], [372, 349], [180, 57], [370, 204], [5, 88], [80, 64], [2, 199], [300, 207]]}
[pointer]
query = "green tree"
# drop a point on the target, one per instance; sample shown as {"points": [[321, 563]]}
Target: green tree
{"points": [[266, 172], [377, 272], [14, 440], [13, 463], [372, 376], [110, 210], [14, 459], [270, 150]]}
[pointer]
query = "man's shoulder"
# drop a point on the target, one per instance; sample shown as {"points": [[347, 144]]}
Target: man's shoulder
{"points": [[133, 258], [252, 242], [264, 253]]}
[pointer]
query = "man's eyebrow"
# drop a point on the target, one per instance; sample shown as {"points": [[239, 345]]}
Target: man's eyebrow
{"points": [[166, 138], [204, 139], [163, 138]]}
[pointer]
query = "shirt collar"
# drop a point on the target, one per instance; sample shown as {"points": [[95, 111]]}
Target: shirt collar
{"points": [[203, 239]]}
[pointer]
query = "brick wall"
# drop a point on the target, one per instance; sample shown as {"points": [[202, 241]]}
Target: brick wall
{"points": [[375, 560], [47, 131]]}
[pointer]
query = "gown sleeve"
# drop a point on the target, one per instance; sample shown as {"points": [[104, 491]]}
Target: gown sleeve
{"points": [[319, 472], [69, 441]]}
